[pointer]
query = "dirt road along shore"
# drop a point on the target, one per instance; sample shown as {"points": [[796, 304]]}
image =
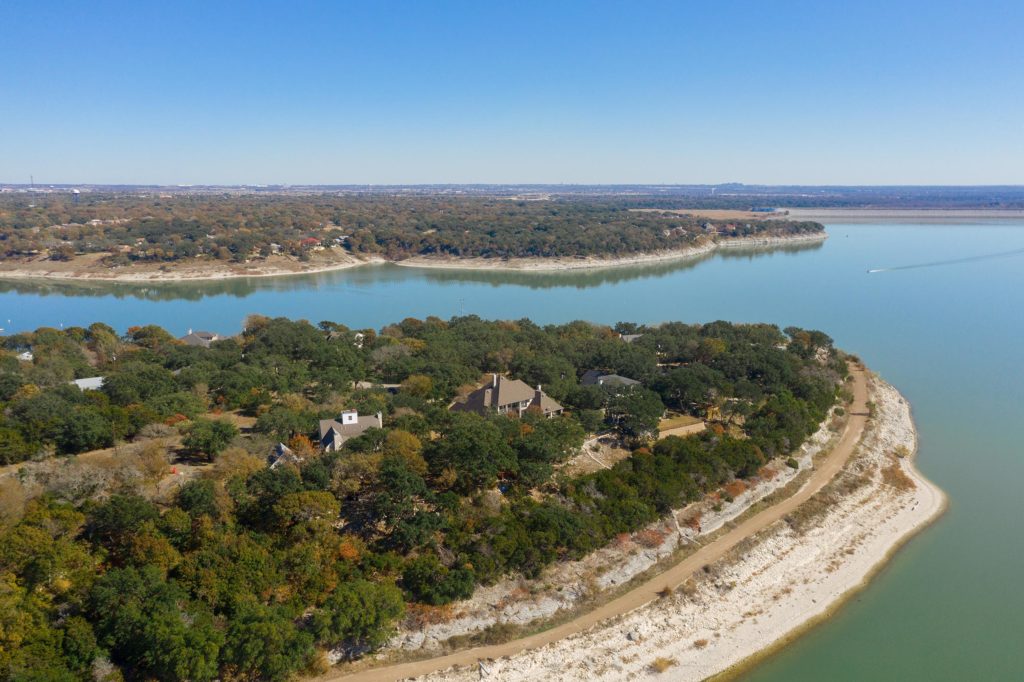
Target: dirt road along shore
{"points": [[648, 591]]}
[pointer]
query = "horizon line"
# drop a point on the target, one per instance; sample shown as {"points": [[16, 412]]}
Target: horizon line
{"points": [[259, 185]]}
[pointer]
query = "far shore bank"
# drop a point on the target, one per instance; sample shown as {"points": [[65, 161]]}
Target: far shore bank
{"points": [[192, 272], [185, 272], [903, 215], [594, 263]]}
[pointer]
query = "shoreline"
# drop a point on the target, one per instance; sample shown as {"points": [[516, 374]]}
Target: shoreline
{"points": [[514, 264], [762, 594], [765, 596], [596, 263], [833, 608], [617, 567], [905, 215], [170, 277]]}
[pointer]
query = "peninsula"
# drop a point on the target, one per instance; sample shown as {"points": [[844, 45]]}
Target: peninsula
{"points": [[171, 237], [295, 497]]}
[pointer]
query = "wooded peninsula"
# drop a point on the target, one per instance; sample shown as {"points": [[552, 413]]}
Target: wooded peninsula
{"points": [[119, 232], [234, 508]]}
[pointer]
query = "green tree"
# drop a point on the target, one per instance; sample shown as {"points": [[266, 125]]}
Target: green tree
{"points": [[636, 412], [209, 436], [200, 497], [114, 522], [85, 429], [359, 613], [282, 422], [427, 580], [261, 643], [306, 507], [135, 382], [473, 448], [153, 627]]}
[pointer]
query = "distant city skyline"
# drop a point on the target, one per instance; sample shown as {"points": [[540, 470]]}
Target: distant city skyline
{"points": [[796, 93]]}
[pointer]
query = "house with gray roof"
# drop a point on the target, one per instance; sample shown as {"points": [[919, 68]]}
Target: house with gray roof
{"points": [[200, 338], [334, 433], [507, 396], [596, 377], [282, 455]]}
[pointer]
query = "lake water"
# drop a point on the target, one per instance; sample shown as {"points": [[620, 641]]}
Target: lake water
{"points": [[949, 335]]}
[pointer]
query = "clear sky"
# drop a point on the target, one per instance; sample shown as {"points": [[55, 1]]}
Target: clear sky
{"points": [[821, 92]]}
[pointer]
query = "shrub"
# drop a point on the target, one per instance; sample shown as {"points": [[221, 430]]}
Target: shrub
{"points": [[427, 580], [661, 664], [209, 436], [895, 477], [650, 538]]}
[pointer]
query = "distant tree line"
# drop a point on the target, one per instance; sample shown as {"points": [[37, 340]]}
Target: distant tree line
{"points": [[239, 228]]}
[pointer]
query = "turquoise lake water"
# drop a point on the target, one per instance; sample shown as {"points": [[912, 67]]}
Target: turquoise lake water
{"points": [[949, 335]]}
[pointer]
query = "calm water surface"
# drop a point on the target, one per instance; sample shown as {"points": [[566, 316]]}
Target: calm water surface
{"points": [[949, 335]]}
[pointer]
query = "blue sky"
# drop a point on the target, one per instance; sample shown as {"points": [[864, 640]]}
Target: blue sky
{"points": [[584, 92]]}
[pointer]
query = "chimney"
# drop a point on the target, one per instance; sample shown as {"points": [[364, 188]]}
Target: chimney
{"points": [[190, 331], [380, 420], [349, 417], [494, 380], [537, 396], [487, 397]]}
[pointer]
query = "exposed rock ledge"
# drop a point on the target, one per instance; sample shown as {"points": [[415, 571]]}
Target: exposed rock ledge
{"points": [[518, 601]]}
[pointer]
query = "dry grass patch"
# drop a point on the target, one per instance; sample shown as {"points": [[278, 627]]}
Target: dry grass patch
{"points": [[735, 488], [811, 511], [700, 643], [661, 664], [895, 477], [693, 522], [677, 421], [650, 538], [420, 615]]}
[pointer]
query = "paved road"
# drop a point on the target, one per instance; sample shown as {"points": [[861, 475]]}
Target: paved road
{"points": [[647, 591]]}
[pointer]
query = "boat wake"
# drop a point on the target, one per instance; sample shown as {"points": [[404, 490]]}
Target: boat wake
{"points": [[954, 261]]}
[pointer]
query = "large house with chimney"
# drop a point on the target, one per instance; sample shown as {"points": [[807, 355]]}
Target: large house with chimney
{"points": [[200, 339], [334, 433], [507, 396]]}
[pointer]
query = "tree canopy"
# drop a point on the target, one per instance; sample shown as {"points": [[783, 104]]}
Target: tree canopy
{"points": [[247, 572]]}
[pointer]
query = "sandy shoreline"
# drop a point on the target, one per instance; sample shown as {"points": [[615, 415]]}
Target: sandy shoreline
{"points": [[590, 263], [185, 273], [192, 273], [769, 589]]}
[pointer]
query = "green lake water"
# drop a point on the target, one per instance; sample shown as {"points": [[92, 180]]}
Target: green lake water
{"points": [[949, 335]]}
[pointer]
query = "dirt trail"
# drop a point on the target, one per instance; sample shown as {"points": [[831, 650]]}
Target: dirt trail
{"points": [[648, 591]]}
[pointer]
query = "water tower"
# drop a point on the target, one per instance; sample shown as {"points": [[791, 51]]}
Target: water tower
{"points": [[75, 194]]}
